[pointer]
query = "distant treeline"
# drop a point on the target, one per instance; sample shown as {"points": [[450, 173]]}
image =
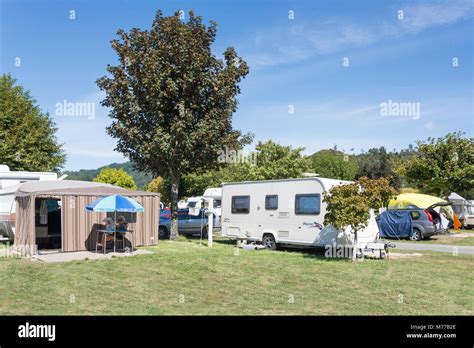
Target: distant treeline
{"points": [[331, 163], [140, 178]]}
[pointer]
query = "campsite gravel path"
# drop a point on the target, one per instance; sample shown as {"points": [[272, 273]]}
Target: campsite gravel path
{"points": [[436, 247]]}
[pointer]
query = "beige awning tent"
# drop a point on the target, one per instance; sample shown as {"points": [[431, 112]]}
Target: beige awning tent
{"points": [[78, 227]]}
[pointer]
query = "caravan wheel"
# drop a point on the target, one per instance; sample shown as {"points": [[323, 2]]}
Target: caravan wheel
{"points": [[269, 242]]}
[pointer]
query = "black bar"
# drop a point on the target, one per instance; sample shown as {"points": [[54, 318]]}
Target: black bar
{"points": [[213, 330]]}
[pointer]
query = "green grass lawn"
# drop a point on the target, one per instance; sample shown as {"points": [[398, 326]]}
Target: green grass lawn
{"points": [[186, 278]]}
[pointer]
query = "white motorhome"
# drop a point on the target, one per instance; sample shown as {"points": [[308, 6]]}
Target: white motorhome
{"points": [[10, 181], [289, 211], [195, 204], [198, 202]]}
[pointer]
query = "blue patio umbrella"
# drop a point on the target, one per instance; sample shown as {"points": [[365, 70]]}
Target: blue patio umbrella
{"points": [[115, 203]]}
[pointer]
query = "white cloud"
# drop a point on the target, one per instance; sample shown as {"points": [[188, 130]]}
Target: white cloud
{"points": [[299, 42], [421, 16], [325, 41]]}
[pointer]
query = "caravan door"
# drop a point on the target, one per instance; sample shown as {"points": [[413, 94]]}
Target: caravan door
{"points": [[307, 216]]}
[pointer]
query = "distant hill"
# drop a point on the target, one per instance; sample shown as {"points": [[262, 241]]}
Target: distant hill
{"points": [[141, 179]]}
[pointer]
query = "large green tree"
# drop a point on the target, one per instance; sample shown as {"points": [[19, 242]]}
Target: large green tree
{"points": [[27, 135], [441, 165], [171, 99], [334, 164]]}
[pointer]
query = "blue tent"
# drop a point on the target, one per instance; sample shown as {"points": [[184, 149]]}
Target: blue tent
{"points": [[395, 224]]}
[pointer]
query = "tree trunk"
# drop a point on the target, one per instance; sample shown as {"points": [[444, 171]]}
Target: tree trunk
{"points": [[174, 207], [354, 250]]}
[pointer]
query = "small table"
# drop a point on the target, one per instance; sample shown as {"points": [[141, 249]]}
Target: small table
{"points": [[381, 247], [114, 232]]}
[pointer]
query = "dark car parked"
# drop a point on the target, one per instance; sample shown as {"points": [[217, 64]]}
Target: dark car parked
{"points": [[187, 224], [424, 223]]}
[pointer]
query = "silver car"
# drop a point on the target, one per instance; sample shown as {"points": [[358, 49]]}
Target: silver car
{"points": [[426, 222], [187, 224]]}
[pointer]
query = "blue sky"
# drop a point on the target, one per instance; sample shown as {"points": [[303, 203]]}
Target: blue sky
{"points": [[294, 63]]}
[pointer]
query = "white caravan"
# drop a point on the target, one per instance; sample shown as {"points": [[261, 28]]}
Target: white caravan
{"points": [[289, 211], [10, 181]]}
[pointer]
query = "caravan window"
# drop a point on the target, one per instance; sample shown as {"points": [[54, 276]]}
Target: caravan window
{"points": [[271, 202], [240, 204], [308, 204]]}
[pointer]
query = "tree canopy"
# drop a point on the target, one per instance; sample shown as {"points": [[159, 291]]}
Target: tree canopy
{"points": [[117, 177], [158, 185], [171, 100], [334, 164], [377, 192], [27, 135], [275, 161], [380, 163], [441, 165]]}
